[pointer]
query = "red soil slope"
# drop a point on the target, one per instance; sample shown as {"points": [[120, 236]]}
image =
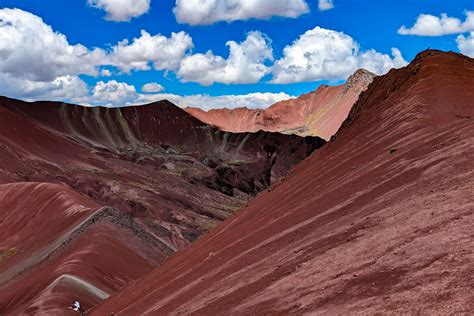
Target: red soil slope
{"points": [[32, 209], [112, 192], [154, 161], [378, 221], [55, 254], [319, 113]]}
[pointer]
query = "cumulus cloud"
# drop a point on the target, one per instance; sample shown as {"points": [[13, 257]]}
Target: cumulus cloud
{"points": [[430, 25], [65, 88], [61, 88], [54, 66], [206, 102], [161, 52], [38, 63], [245, 64], [201, 12], [152, 87], [117, 94], [112, 93], [105, 73], [380, 63], [26, 40], [466, 44], [324, 5], [121, 10], [30, 49], [322, 54]]}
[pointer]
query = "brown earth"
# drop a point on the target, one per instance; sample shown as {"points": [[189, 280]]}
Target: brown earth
{"points": [[93, 198], [379, 221], [319, 113]]}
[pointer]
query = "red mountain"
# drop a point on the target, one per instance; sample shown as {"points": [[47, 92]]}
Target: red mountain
{"points": [[93, 198], [319, 113], [380, 219]]}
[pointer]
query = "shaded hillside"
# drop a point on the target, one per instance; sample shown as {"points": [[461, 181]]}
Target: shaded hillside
{"points": [[319, 113], [380, 219], [146, 181]]}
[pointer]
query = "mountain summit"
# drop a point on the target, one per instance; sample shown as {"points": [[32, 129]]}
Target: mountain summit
{"points": [[319, 113]]}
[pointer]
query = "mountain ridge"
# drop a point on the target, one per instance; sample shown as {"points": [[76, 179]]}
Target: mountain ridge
{"points": [[378, 219], [156, 179], [318, 113]]}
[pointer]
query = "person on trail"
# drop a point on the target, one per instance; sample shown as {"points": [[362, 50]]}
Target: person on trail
{"points": [[76, 306]]}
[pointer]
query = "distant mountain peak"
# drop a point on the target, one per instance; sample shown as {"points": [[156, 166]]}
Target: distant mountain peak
{"points": [[317, 113], [361, 74]]}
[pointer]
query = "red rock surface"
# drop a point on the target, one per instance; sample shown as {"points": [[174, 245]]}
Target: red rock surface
{"points": [[319, 113], [92, 198], [378, 221]]}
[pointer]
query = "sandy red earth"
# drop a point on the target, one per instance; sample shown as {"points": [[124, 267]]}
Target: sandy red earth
{"points": [[379, 221], [319, 113], [93, 198]]}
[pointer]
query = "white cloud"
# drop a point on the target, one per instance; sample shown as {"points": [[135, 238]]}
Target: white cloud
{"points": [[121, 10], [113, 93], [54, 65], [26, 40], [466, 44], [105, 73], [38, 63], [322, 54], [116, 94], [65, 88], [152, 87], [324, 5], [380, 63], [245, 64], [430, 25], [201, 12], [30, 49], [162, 52], [398, 60], [206, 102]]}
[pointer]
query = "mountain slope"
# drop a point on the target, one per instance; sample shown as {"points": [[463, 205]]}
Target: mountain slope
{"points": [[319, 113], [380, 219], [94, 198], [57, 246]]}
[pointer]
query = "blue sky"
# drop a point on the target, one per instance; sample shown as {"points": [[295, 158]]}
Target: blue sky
{"points": [[368, 25]]}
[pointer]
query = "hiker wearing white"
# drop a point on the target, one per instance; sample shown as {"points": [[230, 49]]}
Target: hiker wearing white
{"points": [[76, 306]]}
